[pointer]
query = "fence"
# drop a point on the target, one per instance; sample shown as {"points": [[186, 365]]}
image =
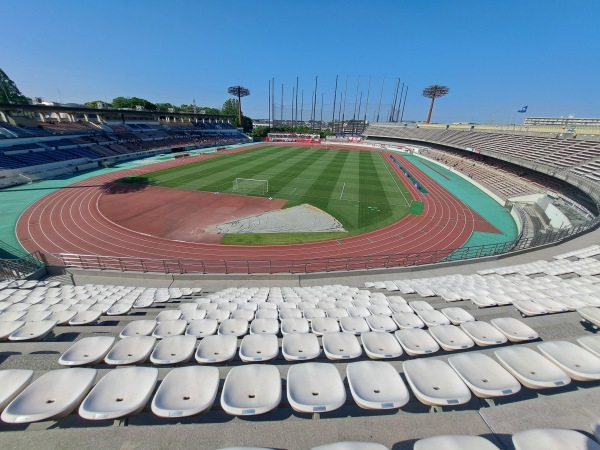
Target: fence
{"points": [[12, 269], [311, 265]]}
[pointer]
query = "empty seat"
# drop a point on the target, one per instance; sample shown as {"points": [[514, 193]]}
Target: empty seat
{"points": [[416, 342], [578, 363], [8, 328], [87, 351], [133, 350], [400, 308], [85, 317], [457, 315], [169, 328], [359, 311], [434, 383], [407, 320], [264, 326], [590, 343], [376, 385], [380, 345], [54, 395], [120, 393], [259, 347], [483, 333], [119, 309], [315, 388], [341, 345], [12, 383], [451, 338], [322, 325], [433, 318], [550, 305], [219, 314], [300, 347], [553, 439], [202, 328], [63, 317], [382, 310], [420, 305], [215, 349], [250, 390], [173, 350], [484, 376], [138, 328], [591, 314], [234, 327], [381, 323], [514, 330], [33, 331], [313, 313], [246, 314], [35, 316], [454, 442], [531, 369], [294, 326], [268, 314], [186, 391], [354, 325]]}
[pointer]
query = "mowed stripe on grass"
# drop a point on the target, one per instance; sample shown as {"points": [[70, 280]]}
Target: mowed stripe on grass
{"points": [[356, 187]]}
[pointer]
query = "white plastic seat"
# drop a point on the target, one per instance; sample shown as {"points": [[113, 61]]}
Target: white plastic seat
{"points": [[300, 347], [246, 314], [572, 304], [592, 300], [382, 310], [11, 316], [193, 314], [119, 309], [12, 383], [454, 442], [259, 347], [358, 311], [315, 388], [268, 314], [376, 385], [251, 390], [133, 350], [354, 325], [341, 345], [531, 369], [52, 396], [578, 363], [294, 326], [381, 323], [483, 375], [451, 338], [85, 317], [138, 328], [406, 320], [120, 393], [434, 383], [550, 305], [87, 351], [591, 314], [233, 327], [483, 334], [169, 328], [591, 343], [323, 325], [336, 313], [35, 316], [32, 331], [553, 439], [188, 307], [416, 342], [186, 391], [219, 314], [8, 328], [228, 306], [400, 308], [420, 305], [380, 345], [264, 326], [457, 315], [529, 308], [216, 349], [290, 314], [173, 350], [313, 313], [483, 301], [202, 328], [433, 318], [514, 330]]}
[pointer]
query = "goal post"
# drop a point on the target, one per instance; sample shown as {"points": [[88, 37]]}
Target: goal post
{"points": [[251, 186]]}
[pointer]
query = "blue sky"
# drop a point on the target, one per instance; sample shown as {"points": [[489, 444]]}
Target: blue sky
{"points": [[496, 56]]}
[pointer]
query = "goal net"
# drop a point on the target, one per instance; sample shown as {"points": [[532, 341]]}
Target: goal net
{"points": [[251, 186]]}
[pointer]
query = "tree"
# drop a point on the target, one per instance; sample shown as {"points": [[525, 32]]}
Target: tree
{"points": [[9, 92], [164, 106], [132, 102], [94, 103], [230, 107], [434, 91]]}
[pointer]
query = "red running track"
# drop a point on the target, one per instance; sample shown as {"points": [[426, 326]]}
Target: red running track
{"points": [[69, 221]]}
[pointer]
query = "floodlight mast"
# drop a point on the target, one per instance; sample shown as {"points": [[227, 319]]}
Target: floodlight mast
{"points": [[434, 91], [239, 92]]}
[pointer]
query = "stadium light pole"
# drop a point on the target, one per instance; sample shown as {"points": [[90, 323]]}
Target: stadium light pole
{"points": [[239, 92], [434, 91]]}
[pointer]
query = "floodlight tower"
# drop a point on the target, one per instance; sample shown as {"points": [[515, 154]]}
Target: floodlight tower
{"points": [[434, 91], [239, 92]]}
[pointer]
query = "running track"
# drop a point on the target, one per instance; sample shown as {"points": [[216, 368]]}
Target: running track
{"points": [[69, 221]]}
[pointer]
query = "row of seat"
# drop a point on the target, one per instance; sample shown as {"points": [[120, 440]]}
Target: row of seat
{"points": [[311, 387], [586, 252]]}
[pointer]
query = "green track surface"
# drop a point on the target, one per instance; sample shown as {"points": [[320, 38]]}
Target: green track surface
{"points": [[357, 188]]}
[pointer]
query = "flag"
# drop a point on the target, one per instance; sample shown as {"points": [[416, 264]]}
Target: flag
{"points": [[523, 109]]}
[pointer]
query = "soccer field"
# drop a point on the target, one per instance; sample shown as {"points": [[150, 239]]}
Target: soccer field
{"points": [[356, 187]]}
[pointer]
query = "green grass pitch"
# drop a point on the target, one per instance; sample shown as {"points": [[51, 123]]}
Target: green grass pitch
{"points": [[356, 187]]}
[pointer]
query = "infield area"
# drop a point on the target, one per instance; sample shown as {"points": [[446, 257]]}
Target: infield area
{"points": [[358, 188]]}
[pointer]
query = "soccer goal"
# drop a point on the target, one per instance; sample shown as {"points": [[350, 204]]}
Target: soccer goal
{"points": [[251, 186]]}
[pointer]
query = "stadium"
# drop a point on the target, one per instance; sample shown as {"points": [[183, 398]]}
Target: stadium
{"points": [[170, 278]]}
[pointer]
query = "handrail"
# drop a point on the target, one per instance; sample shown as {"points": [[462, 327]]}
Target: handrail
{"points": [[12, 269]]}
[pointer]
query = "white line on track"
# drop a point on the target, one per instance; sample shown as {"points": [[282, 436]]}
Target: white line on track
{"points": [[393, 178], [343, 187]]}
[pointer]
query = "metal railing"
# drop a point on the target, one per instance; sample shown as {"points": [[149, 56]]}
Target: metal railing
{"points": [[311, 265], [12, 269]]}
